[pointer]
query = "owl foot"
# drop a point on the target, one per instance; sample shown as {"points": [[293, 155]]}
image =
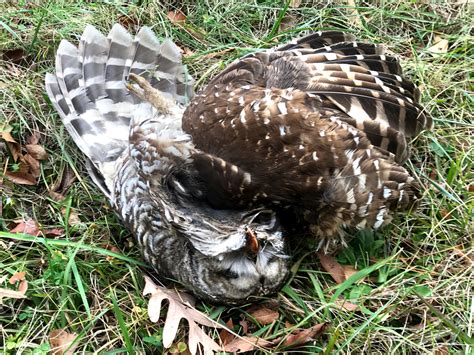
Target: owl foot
{"points": [[148, 93]]}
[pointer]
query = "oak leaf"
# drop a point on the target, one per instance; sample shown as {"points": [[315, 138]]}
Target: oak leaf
{"points": [[181, 306]]}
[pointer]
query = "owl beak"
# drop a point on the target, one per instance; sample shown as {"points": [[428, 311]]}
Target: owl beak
{"points": [[252, 241]]}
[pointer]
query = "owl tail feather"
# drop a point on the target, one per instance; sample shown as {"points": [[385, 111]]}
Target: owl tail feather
{"points": [[89, 90]]}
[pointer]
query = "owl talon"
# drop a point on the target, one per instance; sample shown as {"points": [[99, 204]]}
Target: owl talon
{"points": [[146, 92]]}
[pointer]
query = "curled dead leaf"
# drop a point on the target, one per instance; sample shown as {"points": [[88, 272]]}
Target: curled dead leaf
{"points": [[225, 335], [180, 305], [247, 343], [176, 17], [36, 151], [348, 306], [295, 338], [20, 292], [61, 342], [265, 315], [331, 265], [29, 226], [440, 45], [7, 137], [18, 276]]}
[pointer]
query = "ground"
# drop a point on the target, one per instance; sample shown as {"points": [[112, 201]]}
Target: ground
{"points": [[414, 293]]}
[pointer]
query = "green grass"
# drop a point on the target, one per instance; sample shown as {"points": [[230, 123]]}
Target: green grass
{"points": [[415, 286]]}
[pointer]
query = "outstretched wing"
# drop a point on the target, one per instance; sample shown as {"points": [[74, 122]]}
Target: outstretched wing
{"points": [[317, 124]]}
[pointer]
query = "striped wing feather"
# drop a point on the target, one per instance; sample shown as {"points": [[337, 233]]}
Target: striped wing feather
{"points": [[320, 124]]}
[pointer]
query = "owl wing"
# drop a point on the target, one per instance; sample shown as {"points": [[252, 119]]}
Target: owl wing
{"points": [[315, 125]]}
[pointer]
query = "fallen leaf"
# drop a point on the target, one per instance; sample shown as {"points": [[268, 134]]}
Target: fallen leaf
{"points": [[348, 306], [20, 292], [5, 292], [331, 265], [23, 286], [302, 336], [297, 337], [247, 343], [7, 137], [18, 276], [36, 151], [60, 187], [439, 46], [225, 335], [349, 270], [34, 138], [180, 306], [32, 164], [265, 315], [176, 17], [73, 219], [470, 188], [245, 325], [27, 227], [61, 341], [14, 149]]}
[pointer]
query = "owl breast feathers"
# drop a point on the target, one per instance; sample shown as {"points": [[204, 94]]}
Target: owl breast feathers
{"points": [[316, 128]]}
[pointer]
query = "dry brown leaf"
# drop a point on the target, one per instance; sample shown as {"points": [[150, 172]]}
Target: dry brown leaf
{"points": [[23, 286], [73, 219], [7, 137], [20, 292], [247, 343], [331, 265], [265, 315], [440, 45], [348, 306], [32, 164], [245, 325], [15, 150], [176, 17], [27, 227], [61, 341], [297, 337], [18, 276], [180, 306], [20, 178], [5, 292], [225, 335], [349, 270], [302, 336], [36, 151]]}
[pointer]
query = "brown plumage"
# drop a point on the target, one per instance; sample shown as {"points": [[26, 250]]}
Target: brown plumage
{"points": [[319, 125], [316, 128]]}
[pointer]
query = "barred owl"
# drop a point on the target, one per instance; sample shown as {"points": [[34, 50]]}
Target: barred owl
{"points": [[316, 128]]}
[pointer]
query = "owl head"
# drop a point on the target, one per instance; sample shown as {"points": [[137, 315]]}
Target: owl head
{"points": [[235, 256]]}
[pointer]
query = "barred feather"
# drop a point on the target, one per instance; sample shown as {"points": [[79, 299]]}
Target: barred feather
{"points": [[89, 89], [325, 119]]}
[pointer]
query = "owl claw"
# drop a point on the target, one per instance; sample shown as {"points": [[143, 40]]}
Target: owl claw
{"points": [[148, 93]]}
